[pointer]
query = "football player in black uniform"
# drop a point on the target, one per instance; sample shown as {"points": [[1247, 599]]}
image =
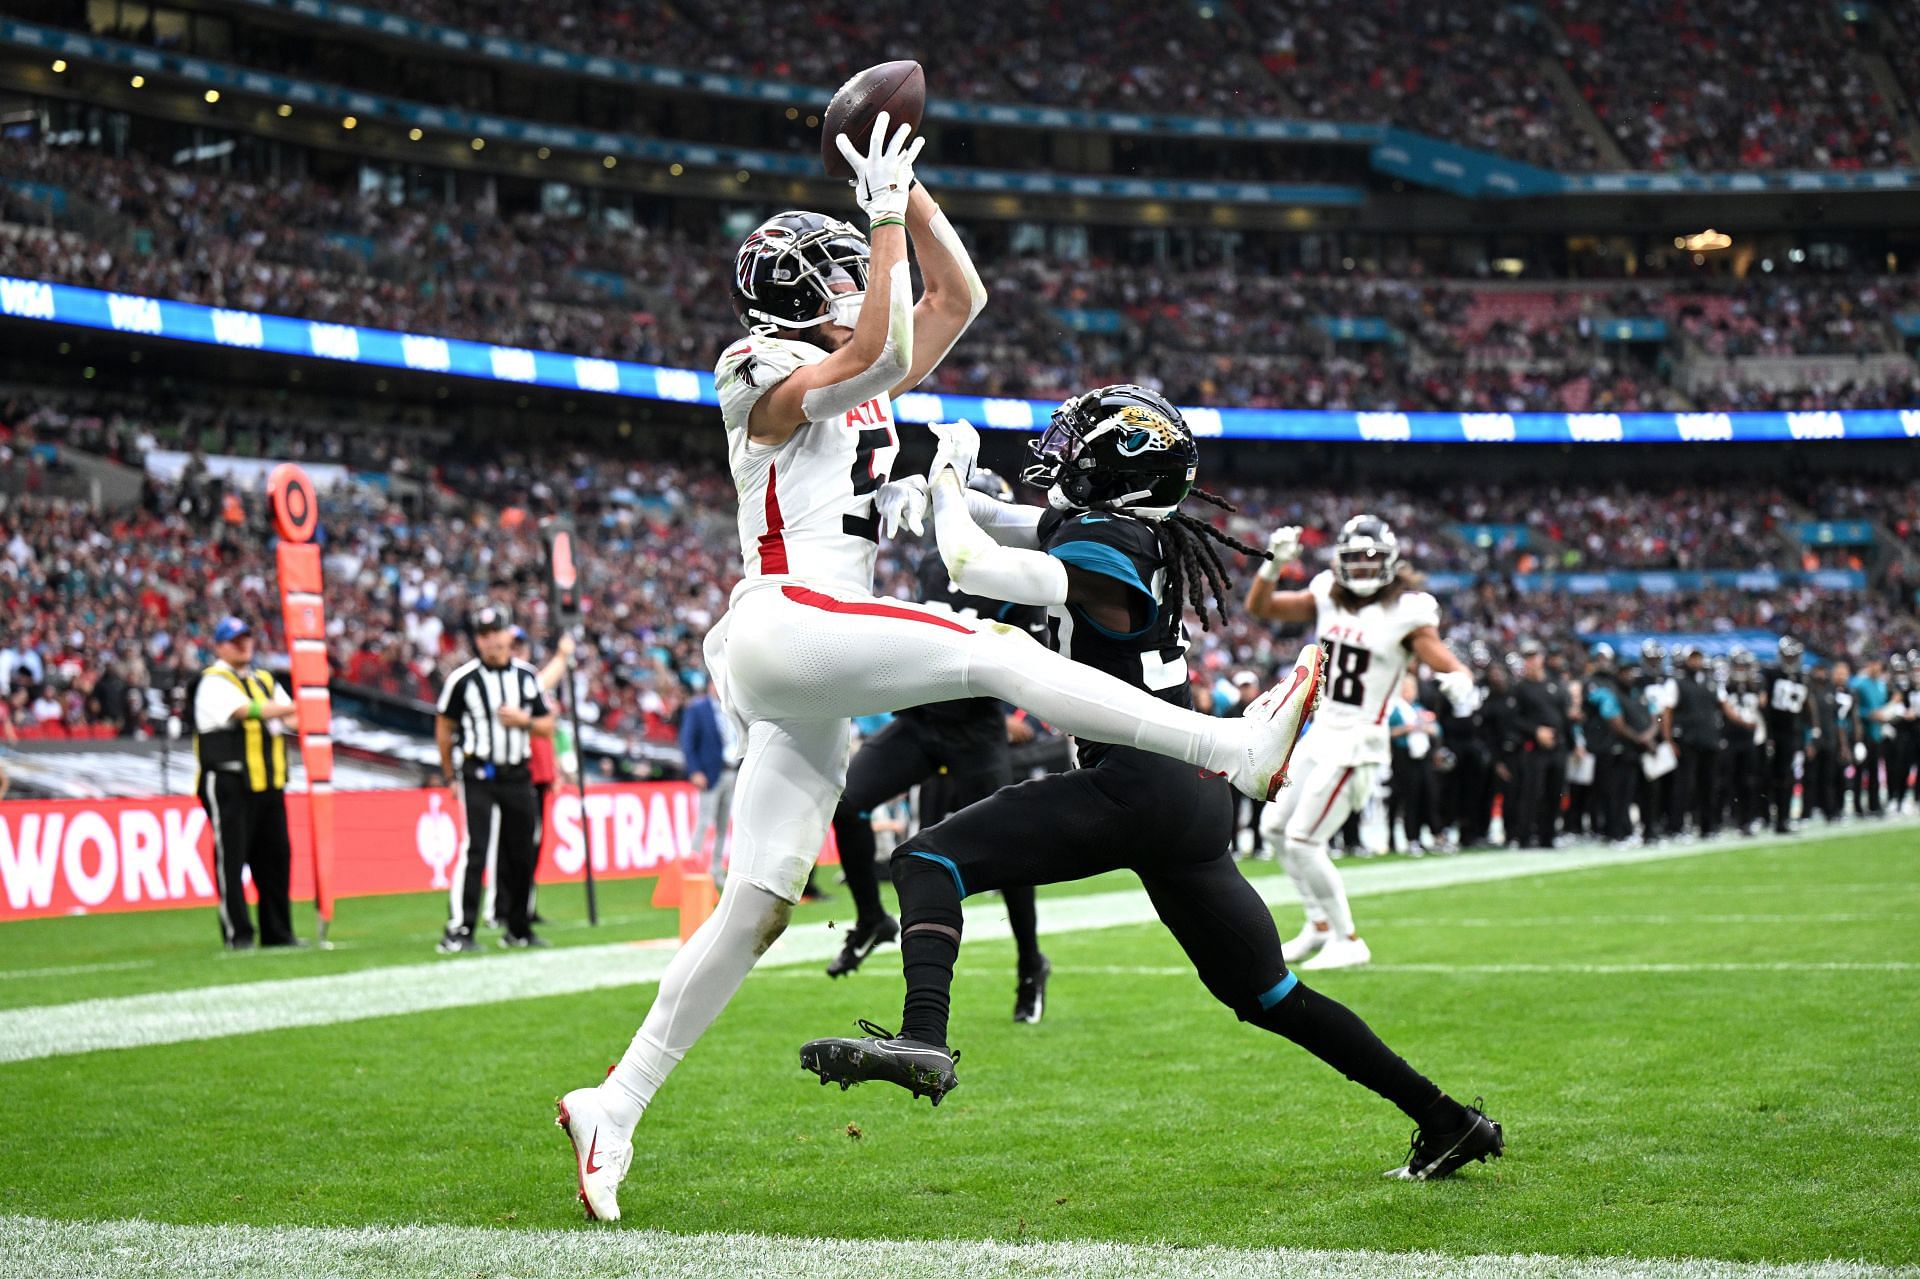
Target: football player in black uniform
{"points": [[964, 744], [1741, 761], [1114, 561], [1903, 731], [1783, 694]]}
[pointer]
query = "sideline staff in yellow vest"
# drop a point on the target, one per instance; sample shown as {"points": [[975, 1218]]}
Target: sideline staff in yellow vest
{"points": [[238, 740]]}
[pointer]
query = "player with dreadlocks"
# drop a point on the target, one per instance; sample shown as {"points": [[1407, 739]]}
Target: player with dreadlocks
{"points": [[1111, 560]]}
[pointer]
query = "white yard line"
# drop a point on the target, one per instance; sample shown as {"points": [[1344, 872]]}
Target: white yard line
{"points": [[74, 970], [1784, 966], [211, 1012], [42, 1249]]}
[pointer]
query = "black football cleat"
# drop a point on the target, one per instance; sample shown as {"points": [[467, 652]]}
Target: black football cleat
{"points": [[1441, 1154], [861, 942], [1030, 996], [882, 1057]]}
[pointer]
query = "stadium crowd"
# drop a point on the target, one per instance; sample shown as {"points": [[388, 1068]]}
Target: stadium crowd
{"points": [[102, 601], [1724, 84], [1247, 334], [1730, 84]]}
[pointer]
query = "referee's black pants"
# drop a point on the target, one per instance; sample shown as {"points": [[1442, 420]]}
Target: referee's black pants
{"points": [[249, 833], [501, 819]]}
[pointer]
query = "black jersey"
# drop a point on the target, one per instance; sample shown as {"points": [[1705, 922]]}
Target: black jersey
{"points": [[1783, 699], [1151, 654], [971, 716]]}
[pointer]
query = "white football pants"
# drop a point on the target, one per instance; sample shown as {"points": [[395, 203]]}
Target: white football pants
{"points": [[793, 663], [1298, 825]]}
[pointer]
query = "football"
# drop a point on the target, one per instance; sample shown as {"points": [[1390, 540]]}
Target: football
{"points": [[898, 88]]}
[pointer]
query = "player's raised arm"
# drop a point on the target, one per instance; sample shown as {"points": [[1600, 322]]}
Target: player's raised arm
{"points": [[952, 293], [1263, 600], [880, 352], [976, 562]]}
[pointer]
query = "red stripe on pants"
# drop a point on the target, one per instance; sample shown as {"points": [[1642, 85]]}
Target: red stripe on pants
{"points": [[827, 603], [1336, 795]]}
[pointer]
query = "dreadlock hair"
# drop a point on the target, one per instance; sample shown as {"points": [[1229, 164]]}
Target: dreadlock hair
{"points": [[1194, 566]]}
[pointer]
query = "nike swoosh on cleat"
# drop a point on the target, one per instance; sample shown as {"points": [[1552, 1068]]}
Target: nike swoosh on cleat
{"points": [[592, 1145]]}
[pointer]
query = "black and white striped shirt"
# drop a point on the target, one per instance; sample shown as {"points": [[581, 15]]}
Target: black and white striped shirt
{"points": [[472, 696]]}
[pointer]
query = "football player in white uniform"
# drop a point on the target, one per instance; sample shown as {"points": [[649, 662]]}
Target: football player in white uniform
{"points": [[833, 335], [1370, 614]]}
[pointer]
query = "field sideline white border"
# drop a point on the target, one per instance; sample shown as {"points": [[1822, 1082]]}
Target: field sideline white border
{"points": [[137, 1021], [43, 1249]]}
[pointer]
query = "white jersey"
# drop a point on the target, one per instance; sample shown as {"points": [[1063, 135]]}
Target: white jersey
{"points": [[1368, 656], [806, 506], [1661, 695]]}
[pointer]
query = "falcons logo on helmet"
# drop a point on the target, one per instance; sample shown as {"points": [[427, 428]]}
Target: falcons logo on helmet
{"points": [[767, 242]]}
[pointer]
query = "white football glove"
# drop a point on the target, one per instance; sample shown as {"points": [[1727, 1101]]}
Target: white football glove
{"points": [[900, 502], [883, 176], [1458, 688], [958, 450], [1284, 545]]}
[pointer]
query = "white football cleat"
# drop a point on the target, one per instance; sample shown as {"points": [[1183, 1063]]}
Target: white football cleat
{"points": [[1308, 943], [1342, 952], [601, 1152], [1274, 720]]}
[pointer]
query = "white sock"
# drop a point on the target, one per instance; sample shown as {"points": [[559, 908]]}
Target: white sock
{"points": [[696, 986], [1309, 900], [1311, 866], [1087, 703]]}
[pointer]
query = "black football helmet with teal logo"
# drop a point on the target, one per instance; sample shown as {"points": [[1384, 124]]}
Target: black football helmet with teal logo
{"points": [[1120, 448]]}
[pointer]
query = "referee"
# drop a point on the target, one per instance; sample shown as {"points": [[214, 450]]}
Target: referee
{"points": [[495, 705], [242, 785]]}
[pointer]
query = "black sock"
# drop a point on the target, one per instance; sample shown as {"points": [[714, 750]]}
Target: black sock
{"points": [[1026, 928], [853, 835], [930, 922], [1335, 1034]]}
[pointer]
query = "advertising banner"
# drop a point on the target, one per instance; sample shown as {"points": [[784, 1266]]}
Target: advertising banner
{"points": [[65, 857]]}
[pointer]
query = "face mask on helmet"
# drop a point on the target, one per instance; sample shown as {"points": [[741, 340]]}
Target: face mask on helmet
{"points": [[798, 271], [1118, 448], [1366, 556]]}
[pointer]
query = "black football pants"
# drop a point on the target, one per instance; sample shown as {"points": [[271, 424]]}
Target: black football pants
{"points": [[1171, 826], [893, 761], [502, 818]]}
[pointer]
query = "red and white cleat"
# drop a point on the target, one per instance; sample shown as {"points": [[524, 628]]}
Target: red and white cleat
{"points": [[1274, 721], [601, 1152]]}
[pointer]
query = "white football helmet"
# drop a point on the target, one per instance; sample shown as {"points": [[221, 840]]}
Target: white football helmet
{"points": [[1366, 555]]}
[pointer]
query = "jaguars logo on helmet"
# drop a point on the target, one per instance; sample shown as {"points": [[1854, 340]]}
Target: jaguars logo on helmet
{"points": [[1120, 447], [785, 273]]}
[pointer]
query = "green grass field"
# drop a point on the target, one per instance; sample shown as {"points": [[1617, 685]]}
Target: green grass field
{"points": [[1708, 1057]]}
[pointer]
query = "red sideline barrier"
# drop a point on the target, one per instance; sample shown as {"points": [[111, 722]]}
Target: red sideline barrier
{"points": [[79, 856]]}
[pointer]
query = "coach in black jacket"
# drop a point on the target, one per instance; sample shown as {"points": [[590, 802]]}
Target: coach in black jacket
{"points": [[1542, 714]]}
